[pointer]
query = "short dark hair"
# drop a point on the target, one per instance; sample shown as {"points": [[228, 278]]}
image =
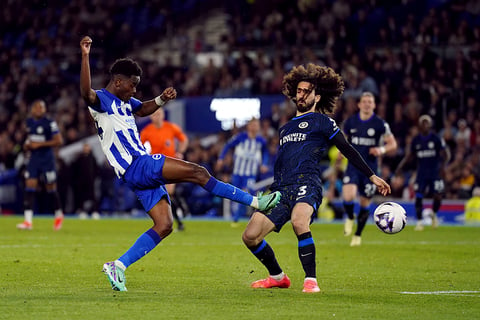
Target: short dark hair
{"points": [[327, 83], [126, 67]]}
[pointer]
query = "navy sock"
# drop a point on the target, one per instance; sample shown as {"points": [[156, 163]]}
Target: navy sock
{"points": [[55, 199], [29, 199], [144, 244], [348, 205], [226, 190], [265, 254], [419, 206], [306, 253], [362, 220]]}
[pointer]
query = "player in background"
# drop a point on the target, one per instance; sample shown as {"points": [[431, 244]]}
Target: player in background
{"points": [[42, 137], [164, 137], [250, 156], [297, 173], [431, 155], [372, 138], [113, 109]]}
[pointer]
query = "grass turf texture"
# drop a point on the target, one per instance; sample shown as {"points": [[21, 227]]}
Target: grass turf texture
{"points": [[205, 273]]}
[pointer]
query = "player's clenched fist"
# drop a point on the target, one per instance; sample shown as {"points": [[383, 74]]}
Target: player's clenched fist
{"points": [[85, 44]]}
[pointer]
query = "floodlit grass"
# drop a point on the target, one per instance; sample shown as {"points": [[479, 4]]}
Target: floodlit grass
{"points": [[205, 272]]}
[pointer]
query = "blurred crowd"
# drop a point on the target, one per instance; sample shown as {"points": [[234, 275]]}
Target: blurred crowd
{"points": [[417, 57]]}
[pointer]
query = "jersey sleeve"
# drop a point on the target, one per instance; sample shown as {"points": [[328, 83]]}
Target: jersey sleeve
{"points": [[388, 131], [100, 107], [136, 104], [54, 127], [329, 127], [230, 145]]}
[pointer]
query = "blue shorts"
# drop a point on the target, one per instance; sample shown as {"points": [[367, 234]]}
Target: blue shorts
{"points": [[365, 187], [144, 177], [291, 195], [45, 169]]}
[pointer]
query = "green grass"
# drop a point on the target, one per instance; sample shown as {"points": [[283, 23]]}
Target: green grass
{"points": [[205, 272]]}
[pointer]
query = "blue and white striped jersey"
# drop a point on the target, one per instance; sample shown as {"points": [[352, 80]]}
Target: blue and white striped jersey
{"points": [[248, 154], [117, 130]]}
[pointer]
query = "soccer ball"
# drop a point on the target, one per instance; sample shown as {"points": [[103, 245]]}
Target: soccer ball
{"points": [[390, 217]]}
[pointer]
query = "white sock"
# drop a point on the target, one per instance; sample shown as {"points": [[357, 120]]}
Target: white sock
{"points": [[28, 216], [254, 202], [58, 213], [278, 276], [119, 264]]}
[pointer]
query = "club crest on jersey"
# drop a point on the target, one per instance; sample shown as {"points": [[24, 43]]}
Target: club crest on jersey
{"points": [[303, 125], [39, 130], [371, 132]]}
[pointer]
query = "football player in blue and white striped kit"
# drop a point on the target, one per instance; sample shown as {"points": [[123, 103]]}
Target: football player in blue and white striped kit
{"points": [[113, 109], [249, 156]]}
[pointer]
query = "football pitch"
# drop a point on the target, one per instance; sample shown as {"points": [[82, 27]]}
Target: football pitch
{"points": [[205, 273]]}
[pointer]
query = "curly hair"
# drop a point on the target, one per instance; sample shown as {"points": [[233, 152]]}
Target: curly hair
{"points": [[126, 67], [327, 83]]}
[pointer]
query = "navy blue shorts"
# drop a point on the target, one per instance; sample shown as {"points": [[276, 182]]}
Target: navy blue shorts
{"points": [[37, 169], [365, 187], [291, 195], [144, 177], [425, 186]]}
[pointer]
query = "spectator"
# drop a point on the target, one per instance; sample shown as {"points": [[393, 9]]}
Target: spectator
{"points": [[472, 207], [84, 174]]}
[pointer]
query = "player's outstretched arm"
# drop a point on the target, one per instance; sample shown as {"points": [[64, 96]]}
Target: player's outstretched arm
{"points": [[86, 91], [150, 106]]}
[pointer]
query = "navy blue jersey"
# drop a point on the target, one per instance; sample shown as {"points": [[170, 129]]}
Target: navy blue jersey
{"points": [[427, 149], [41, 130], [366, 134], [303, 142]]}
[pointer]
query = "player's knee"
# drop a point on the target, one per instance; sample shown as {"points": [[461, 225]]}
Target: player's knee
{"points": [[164, 229], [300, 225], [198, 174], [250, 238], [163, 226]]}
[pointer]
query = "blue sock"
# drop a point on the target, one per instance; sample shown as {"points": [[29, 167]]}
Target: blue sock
{"points": [[144, 244], [226, 190]]}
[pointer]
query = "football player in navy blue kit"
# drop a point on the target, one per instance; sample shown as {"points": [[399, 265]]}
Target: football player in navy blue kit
{"points": [[303, 142], [431, 154], [372, 138], [42, 136]]}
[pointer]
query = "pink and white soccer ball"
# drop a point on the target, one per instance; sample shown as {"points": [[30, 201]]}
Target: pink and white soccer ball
{"points": [[390, 217]]}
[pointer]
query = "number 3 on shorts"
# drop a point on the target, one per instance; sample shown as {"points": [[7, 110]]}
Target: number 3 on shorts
{"points": [[302, 191]]}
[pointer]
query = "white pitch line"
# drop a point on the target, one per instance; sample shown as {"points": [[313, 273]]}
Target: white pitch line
{"points": [[440, 292]]}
